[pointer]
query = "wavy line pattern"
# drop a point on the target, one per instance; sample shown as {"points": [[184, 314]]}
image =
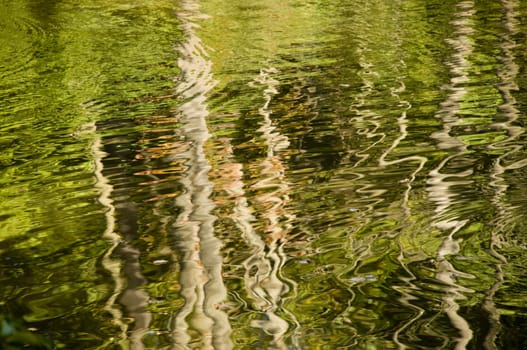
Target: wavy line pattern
{"points": [[200, 261], [276, 175]]}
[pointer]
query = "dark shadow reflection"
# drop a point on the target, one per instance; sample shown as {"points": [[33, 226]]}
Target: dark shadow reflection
{"points": [[121, 260]]}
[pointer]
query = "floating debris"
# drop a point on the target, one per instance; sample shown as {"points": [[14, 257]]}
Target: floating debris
{"points": [[365, 278], [160, 262]]}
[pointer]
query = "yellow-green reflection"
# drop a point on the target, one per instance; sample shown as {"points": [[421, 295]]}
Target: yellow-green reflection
{"points": [[286, 174]]}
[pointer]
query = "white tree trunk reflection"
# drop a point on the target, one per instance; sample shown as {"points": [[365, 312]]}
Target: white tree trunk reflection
{"points": [[508, 75], [113, 266], [440, 183], [200, 319], [263, 269]]}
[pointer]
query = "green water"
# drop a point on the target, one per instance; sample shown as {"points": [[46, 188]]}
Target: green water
{"points": [[279, 174]]}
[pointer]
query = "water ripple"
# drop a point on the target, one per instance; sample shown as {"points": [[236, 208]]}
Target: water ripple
{"points": [[440, 188], [200, 278], [278, 175]]}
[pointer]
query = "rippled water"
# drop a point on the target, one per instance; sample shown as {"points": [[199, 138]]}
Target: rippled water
{"points": [[280, 175]]}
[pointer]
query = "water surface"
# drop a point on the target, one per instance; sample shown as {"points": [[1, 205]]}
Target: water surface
{"points": [[281, 175]]}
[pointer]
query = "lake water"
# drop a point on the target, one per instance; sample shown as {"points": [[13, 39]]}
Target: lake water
{"points": [[279, 174]]}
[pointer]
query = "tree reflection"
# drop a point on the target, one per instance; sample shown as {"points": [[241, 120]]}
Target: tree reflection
{"points": [[507, 110], [263, 276], [441, 182], [112, 265], [307, 174], [200, 260]]}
